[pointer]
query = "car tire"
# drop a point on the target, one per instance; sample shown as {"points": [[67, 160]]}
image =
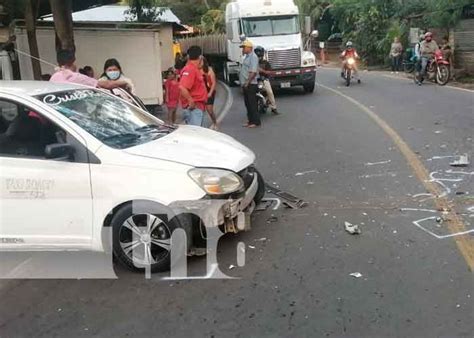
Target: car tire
{"points": [[261, 188], [142, 238]]}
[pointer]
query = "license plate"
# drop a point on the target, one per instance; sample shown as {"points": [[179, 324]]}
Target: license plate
{"points": [[285, 85]]}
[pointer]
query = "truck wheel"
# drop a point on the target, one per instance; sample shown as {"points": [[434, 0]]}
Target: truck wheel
{"points": [[309, 88]]}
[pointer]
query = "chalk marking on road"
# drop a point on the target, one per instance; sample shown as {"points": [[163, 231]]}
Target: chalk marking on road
{"points": [[276, 200], [422, 194], [377, 163], [415, 209], [455, 222], [433, 218], [440, 157], [228, 104], [306, 172]]}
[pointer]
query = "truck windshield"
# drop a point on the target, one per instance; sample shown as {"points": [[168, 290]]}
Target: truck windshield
{"points": [[272, 25], [111, 120]]}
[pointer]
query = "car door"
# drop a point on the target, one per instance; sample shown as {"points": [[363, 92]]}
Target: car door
{"points": [[44, 202]]}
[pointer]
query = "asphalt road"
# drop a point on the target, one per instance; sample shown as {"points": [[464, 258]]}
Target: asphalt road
{"points": [[360, 155]]}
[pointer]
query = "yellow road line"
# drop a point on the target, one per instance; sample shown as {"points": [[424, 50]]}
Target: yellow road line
{"points": [[455, 222]]}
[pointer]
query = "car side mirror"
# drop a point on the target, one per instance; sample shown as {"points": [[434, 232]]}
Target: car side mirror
{"points": [[59, 151]]}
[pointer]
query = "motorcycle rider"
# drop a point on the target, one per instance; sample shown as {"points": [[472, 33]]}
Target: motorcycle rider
{"points": [[265, 71], [427, 50], [350, 52]]}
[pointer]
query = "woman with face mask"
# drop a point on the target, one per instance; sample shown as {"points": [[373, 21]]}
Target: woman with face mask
{"points": [[113, 72]]}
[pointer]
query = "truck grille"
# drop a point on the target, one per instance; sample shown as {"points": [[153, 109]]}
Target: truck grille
{"points": [[284, 59]]}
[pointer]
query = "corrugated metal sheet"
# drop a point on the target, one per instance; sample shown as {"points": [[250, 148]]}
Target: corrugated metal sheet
{"points": [[215, 44], [113, 13], [464, 35]]}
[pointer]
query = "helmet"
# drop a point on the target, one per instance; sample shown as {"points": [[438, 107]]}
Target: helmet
{"points": [[428, 34], [260, 51], [349, 44]]}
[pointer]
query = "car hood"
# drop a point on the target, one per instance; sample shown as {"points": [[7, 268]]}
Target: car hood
{"points": [[197, 147]]}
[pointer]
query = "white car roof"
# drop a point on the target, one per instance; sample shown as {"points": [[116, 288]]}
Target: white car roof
{"points": [[34, 88]]}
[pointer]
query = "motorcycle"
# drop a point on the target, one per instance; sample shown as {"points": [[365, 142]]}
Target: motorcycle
{"points": [[262, 99], [349, 69], [437, 70]]}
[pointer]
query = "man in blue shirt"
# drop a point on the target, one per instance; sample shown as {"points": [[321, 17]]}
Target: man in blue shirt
{"points": [[248, 81]]}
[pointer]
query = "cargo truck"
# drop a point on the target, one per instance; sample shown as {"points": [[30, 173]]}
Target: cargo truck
{"points": [[274, 25]]}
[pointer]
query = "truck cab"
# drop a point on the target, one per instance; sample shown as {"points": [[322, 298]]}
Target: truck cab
{"points": [[274, 25]]}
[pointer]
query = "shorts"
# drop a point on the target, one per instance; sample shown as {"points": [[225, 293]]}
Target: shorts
{"points": [[210, 100]]}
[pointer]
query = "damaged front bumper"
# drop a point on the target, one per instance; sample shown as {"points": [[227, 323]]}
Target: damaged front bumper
{"points": [[231, 212]]}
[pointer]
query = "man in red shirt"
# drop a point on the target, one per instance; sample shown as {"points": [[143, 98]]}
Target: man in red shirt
{"points": [[193, 89]]}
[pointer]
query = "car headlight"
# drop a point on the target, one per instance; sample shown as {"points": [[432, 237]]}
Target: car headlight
{"points": [[216, 181], [309, 62]]}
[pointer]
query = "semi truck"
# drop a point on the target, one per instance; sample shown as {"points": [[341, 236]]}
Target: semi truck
{"points": [[274, 25]]}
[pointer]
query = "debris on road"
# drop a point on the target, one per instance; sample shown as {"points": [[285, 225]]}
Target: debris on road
{"points": [[462, 161], [263, 239], [289, 200], [356, 274], [272, 219], [231, 267], [251, 247], [353, 229], [263, 205]]}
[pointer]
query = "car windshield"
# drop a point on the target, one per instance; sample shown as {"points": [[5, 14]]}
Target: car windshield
{"points": [[109, 119], [267, 26]]}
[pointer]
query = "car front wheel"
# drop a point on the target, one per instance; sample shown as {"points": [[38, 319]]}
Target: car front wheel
{"points": [[142, 239]]}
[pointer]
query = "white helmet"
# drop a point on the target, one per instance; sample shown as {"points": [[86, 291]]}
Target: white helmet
{"points": [[349, 44]]}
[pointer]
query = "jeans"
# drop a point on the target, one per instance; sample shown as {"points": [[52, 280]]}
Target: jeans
{"points": [[396, 63], [250, 98], [194, 117], [424, 64]]}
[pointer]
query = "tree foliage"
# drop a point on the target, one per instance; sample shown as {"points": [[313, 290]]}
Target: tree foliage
{"points": [[372, 24]]}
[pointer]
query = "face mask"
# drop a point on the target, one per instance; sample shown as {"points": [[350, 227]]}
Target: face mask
{"points": [[113, 75]]}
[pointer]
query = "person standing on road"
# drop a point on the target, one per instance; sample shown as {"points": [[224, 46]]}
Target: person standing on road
{"points": [[248, 81], [193, 89], [67, 73], [171, 95], [265, 71], [210, 81], [396, 55]]}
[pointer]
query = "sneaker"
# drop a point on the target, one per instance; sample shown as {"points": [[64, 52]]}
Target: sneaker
{"points": [[275, 112], [342, 74], [391, 72]]}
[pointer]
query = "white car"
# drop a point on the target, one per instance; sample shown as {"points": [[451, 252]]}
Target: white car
{"points": [[76, 161]]}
